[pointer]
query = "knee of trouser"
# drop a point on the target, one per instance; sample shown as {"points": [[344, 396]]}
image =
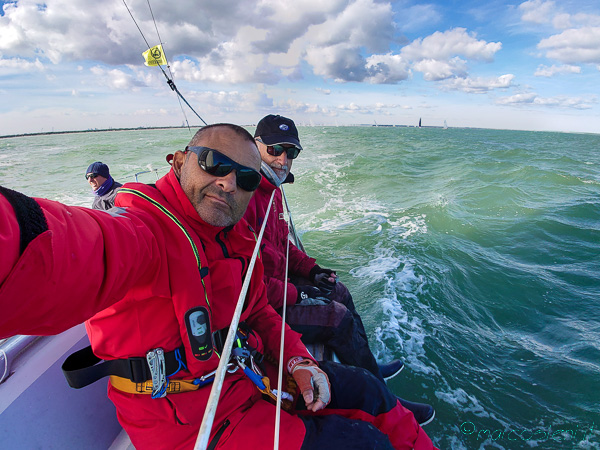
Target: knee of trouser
{"points": [[329, 315], [357, 388], [342, 295]]}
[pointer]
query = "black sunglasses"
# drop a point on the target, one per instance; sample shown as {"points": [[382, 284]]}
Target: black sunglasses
{"points": [[278, 149], [219, 165], [91, 175]]}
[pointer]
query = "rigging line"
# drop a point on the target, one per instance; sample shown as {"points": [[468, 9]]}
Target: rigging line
{"points": [[215, 391], [159, 38], [169, 80], [168, 65], [136, 24], [281, 346], [297, 240]]}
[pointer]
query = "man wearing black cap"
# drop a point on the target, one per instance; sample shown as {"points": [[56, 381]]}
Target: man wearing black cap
{"points": [[318, 305], [104, 186]]}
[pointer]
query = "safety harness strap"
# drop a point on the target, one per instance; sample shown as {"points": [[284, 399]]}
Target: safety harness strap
{"points": [[173, 387], [83, 367]]}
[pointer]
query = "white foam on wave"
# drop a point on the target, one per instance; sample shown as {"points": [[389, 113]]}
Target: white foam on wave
{"points": [[398, 330], [72, 199], [358, 211], [330, 169], [463, 402], [406, 226]]}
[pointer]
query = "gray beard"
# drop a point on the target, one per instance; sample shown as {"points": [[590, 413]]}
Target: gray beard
{"points": [[270, 174]]}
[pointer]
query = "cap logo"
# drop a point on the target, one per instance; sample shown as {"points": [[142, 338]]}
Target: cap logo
{"points": [[283, 127]]}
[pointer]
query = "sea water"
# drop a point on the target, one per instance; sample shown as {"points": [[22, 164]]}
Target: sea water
{"points": [[472, 255]]}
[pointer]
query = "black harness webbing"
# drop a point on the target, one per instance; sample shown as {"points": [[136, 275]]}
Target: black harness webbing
{"points": [[83, 367]]}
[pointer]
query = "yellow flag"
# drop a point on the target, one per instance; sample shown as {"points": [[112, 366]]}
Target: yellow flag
{"points": [[155, 56]]}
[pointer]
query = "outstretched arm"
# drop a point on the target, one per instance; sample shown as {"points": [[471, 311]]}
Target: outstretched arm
{"points": [[60, 265]]}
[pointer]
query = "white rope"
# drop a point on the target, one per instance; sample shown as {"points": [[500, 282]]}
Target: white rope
{"points": [[213, 399], [292, 227], [281, 342], [5, 357]]}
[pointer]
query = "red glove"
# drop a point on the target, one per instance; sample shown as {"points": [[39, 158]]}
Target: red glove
{"points": [[311, 382]]}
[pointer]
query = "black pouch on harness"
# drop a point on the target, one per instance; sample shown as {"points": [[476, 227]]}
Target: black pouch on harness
{"points": [[197, 324]]}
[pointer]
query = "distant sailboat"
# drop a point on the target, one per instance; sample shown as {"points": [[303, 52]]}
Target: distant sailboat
{"points": [[419, 122], [445, 125]]}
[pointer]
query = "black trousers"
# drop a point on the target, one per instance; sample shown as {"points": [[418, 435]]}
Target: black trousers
{"points": [[335, 324]]}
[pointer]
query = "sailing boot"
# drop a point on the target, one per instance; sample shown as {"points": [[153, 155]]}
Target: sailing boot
{"points": [[391, 369], [423, 412]]}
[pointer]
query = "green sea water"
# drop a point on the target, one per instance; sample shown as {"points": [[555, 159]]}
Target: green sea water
{"points": [[473, 255]]}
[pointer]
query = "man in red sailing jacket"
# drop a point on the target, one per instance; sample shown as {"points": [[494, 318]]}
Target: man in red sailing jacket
{"points": [[157, 280], [318, 305]]}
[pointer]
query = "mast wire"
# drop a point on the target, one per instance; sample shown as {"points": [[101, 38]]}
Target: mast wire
{"points": [[168, 65], [170, 81]]}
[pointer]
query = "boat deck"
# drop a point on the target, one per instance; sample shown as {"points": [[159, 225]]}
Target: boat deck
{"points": [[38, 409]]}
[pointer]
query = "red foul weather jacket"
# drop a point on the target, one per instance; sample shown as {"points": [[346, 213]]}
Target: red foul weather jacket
{"points": [[133, 276], [273, 246]]}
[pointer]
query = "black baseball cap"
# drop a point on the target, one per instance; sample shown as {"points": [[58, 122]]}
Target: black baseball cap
{"points": [[277, 130]]}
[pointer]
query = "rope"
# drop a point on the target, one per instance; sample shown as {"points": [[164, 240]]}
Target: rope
{"points": [[5, 357], [281, 342], [168, 66], [292, 228], [213, 399], [170, 81]]}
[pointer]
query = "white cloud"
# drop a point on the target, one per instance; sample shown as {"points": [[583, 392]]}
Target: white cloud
{"points": [[65, 29], [545, 71], [377, 107], [259, 41], [434, 70], [448, 44], [479, 85], [574, 46], [363, 23], [115, 79], [333, 48], [578, 43], [323, 91], [387, 69], [339, 62], [21, 65], [559, 101], [537, 11]]}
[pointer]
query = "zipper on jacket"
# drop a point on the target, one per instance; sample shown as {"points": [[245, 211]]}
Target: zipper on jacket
{"points": [[215, 440]]}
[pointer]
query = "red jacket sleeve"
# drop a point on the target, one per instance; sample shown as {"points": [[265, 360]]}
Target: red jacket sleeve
{"points": [[275, 290], [300, 263], [83, 262], [267, 323]]}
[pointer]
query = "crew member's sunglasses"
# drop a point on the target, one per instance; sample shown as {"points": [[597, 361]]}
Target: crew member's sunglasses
{"points": [[278, 149], [91, 175], [219, 165]]}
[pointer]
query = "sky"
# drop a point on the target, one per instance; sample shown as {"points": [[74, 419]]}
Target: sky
{"points": [[523, 65]]}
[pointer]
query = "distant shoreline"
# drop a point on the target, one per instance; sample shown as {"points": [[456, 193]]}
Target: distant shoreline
{"points": [[195, 127], [98, 130], [45, 133]]}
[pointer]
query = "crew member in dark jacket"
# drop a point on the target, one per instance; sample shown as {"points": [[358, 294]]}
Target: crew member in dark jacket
{"points": [[104, 186]]}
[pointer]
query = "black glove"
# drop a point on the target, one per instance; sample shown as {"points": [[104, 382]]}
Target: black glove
{"points": [[305, 292], [320, 278]]}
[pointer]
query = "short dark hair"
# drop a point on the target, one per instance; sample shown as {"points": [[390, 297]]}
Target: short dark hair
{"points": [[242, 132]]}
